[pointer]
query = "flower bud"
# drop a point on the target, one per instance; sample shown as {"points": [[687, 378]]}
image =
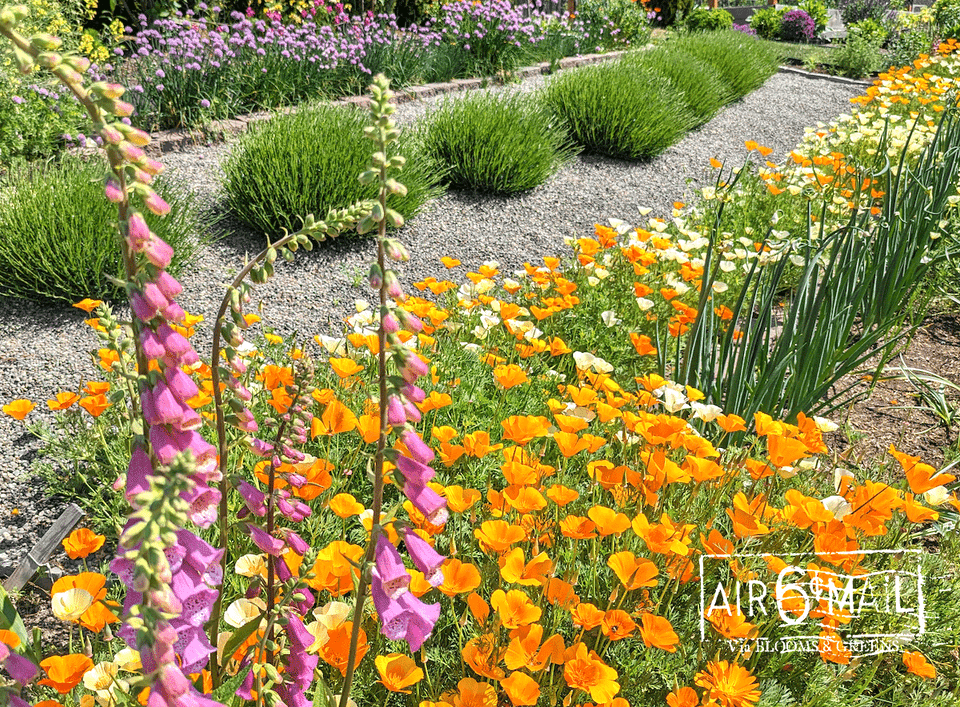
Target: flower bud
{"points": [[393, 285], [112, 191], [375, 277], [395, 250]]}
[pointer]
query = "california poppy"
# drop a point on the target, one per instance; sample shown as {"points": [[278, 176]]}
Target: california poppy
{"points": [[82, 542], [18, 409], [730, 684], [515, 608], [398, 672], [459, 577], [917, 664], [64, 672], [521, 689], [584, 670]]}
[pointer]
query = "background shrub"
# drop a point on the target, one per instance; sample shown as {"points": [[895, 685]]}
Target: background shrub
{"points": [[50, 249], [870, 31], [797, 26], [857, 57], [766, 22], [905, 45], [883, 11], [704, 20], [307, 162], [741, 61], [817, 10], [498, 144], [615, 23], [697, 83], [620, 110], [946, 16], [673, 11]]}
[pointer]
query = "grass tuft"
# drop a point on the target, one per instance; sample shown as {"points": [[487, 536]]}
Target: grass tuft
{"points": [[742, 61], [307, 163], [52, 250], [619, 110], [497, 144]]}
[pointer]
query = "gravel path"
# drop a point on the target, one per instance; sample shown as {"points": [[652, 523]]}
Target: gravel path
{"points": [[41, 346]]}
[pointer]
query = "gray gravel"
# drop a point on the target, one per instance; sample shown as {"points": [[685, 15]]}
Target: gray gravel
{"points": [[40, 345]]}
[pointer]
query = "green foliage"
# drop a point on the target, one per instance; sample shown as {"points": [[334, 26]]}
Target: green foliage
{"points": [[766, 22], [869, 30], [306, 163], [51, 249], [946, 16], [741, 61], [817, 10], [857, 57], [709, 20], [620, 110], [849, 303], [698, 84], [495, 144], [615, 23], [905, 46]]}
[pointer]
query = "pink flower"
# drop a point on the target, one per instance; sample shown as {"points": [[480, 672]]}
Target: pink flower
{"points": [[390, 569], [418, 449], [424, 557], [263, 540]]}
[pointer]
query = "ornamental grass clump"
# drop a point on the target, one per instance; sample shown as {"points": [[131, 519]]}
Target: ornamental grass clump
{"points": [[496, 144], [743, 62], [697, 83], [47, 254], [307, 162], [619, 110]]}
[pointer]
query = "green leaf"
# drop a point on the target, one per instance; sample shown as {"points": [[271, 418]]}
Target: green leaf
{"points": [[11, 621], [227, 689], [239, 636]]}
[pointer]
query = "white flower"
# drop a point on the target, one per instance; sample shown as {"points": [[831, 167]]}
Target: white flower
{"points": [[825, 425], [838, 506], [333, 345], [243, 611], [71, 604], [644, 304], [673, 397], [707, 413], [610, 318], [937, 496], [251, 566], [585, 361]]}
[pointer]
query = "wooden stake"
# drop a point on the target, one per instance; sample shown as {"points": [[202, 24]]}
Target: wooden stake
{"points": [[42, 550]]}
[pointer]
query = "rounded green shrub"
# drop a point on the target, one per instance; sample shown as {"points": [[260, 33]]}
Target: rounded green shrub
{"points": [[620, 110], [59, 237], [497, 144], [766, 22], [307, 163], [709, 20], [946, 16], [697, 83]]}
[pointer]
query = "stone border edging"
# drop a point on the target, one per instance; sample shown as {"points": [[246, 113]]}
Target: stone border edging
{"points": [[825, 77], [176, 140]]}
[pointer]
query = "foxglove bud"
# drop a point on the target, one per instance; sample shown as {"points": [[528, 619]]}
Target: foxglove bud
{"points": [[395, 250], [375, 276], [112, 191], [393, 285]]}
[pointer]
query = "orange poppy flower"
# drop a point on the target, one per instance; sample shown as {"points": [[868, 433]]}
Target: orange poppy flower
{"points": [[832, 648], [498, 535], [471, 693], [449, 262], [345, 505], [334, 570], [64, 672], [570, 444], [95, 388], [525, 651], [483, 657], [524, 499], [478, 608], [608, 521], [87, 304], [587, 616], [917, 665], [336, 651], [509, 376], [82, 542], [731, 685], [317, 474], [643, 344], [435, 401], [732, 423], [632, 571], [515, 608], [18, 409], [336, 418], [561, 495], [521, 429], [746, 522], [345, 367], [521, 689], [398, 672], [617, 625], [684, 696], [558, 347], [95, 404], [274, 376], [920, 477], [560, 593], [584, 670], [63, 401], [784, 451], [459, 577], [9, 638], [578, 527], [514, 570], [460, 499], [94, 583], [664, 537], [477, 444], [657, 632]]}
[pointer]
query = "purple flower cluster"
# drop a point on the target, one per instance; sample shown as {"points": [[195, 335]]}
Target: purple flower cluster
{"points": [[797, 26], [746, 29]]}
